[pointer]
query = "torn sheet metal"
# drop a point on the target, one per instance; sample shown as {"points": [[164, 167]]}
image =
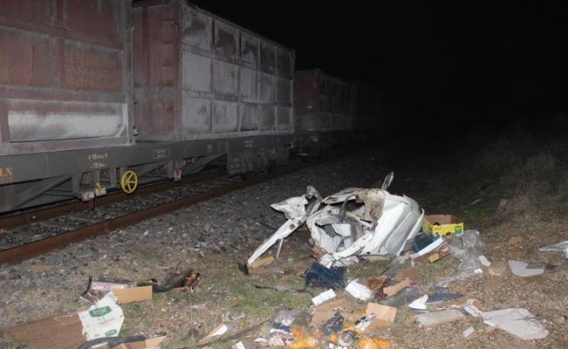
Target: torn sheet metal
{"points": [[379, 224], [354, 222], [296, 210]]}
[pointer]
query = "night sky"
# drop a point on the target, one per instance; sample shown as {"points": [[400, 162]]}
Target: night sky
{"points": [[444, 60]]}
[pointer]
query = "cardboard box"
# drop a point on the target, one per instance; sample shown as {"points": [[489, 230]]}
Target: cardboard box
{"points": [[444, 225], [66, 331]]}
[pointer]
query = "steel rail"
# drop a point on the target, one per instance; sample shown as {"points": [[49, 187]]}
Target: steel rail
{"points": [[40, 247]]}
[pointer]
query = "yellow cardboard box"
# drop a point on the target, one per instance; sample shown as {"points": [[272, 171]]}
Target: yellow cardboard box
{"points": [[445, 225]]}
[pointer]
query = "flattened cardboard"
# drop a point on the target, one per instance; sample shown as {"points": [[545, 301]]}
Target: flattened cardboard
{"points": [[40, 268], [133, 294], [261, 262], [147, 344], [439, 317], [392, 290], [59, 332], [325, 311], [65, 331], [385, 315]]}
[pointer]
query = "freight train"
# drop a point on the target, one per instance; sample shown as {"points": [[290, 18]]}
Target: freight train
{"points": [[103, 95]]}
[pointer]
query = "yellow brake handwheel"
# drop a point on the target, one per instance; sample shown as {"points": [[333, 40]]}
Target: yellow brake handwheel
{"points": [[129, 182]]}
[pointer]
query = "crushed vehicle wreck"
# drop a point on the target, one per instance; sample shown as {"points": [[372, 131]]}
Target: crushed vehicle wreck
{"points": [[354, 222]]}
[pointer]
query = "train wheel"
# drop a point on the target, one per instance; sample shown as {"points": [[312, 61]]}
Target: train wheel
{"points": [[129, 182]]}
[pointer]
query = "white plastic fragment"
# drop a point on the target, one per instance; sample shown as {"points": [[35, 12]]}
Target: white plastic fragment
{"points": [[484, 261], [359, 291], [472, 310], [420, 303], [323, 297], [516, 321], [521, 269], [218, 331], [468, 331], [559, 247], [239, 345]]}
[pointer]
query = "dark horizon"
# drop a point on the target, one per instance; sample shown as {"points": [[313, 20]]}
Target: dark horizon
{"points": [[483, 61]]}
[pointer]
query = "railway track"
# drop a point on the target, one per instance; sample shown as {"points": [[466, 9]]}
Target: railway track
{"points": [[35, 233]]}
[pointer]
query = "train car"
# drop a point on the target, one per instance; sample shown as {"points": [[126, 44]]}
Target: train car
{"points": [[330, 112], [153, 91], [157, 89], [198, 76], [65, 88]]}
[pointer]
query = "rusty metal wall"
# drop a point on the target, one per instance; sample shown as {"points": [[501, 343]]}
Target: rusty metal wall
{"points": [[65, 79], [198, 76], [322, 102]]}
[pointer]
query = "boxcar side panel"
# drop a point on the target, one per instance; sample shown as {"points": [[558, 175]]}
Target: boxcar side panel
{"points": [[64, 82], [156, 71], [230, 83]]}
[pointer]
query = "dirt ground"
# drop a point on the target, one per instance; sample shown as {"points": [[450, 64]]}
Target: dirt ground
{"points": [[510, 186]]}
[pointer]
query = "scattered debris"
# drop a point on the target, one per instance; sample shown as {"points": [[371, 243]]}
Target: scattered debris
{"points": [[320, 276], [523, 269], [239, 345], [517, 321], [323, 297], [84, 329], [102, 319], [383, 315], [420, 303], [218, 331], [40, 268], [439, 317], [468, 332], [139, 341], [438, 249], [262, 262], [559, 247], [359, 290], [181, 282], [125, 291], [354, 222], [390, 291], [444, 225], [280, 334], [468, 247]]}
